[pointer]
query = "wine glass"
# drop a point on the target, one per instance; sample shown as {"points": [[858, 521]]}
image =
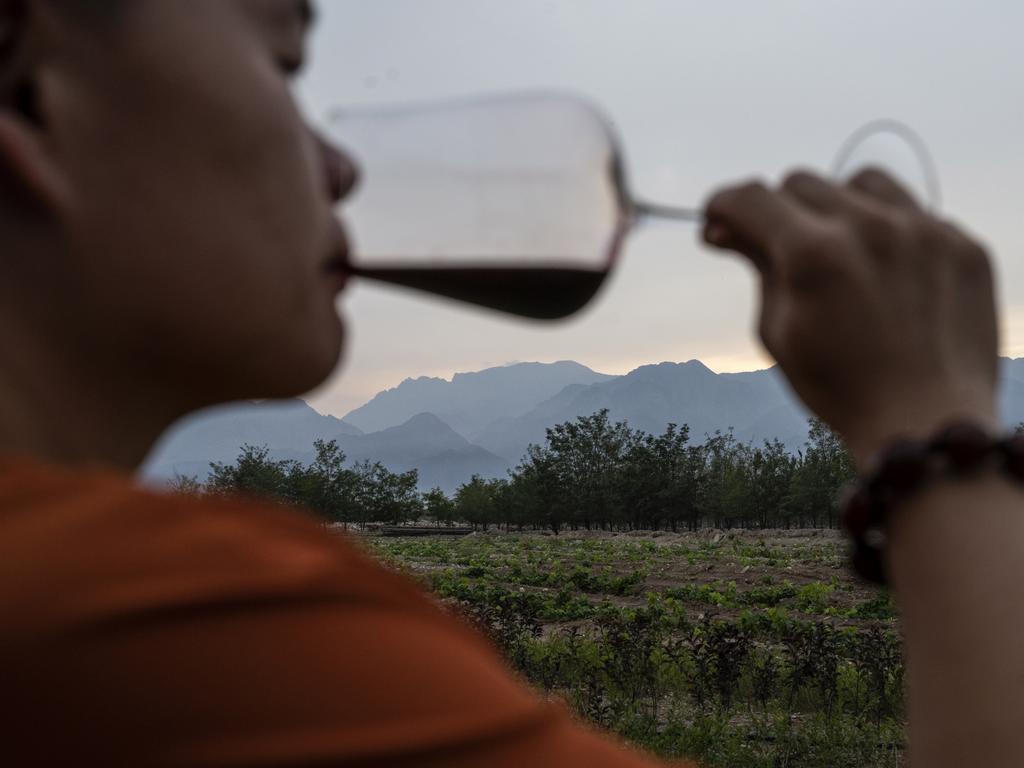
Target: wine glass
{"points": [[521, 202]]}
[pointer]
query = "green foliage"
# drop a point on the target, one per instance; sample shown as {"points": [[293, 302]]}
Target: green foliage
{"points": [[438, 507], [185, 484], [366, 492], [824, 467], [769, 596], [589, 474], [717, 593], [477, 502], [879, 607], [759, 672], [254, 473], [592, 473], [327, 487], [384, 496], [814, 597], [736, 667]]}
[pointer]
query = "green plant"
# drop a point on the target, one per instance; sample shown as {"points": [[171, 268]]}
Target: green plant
{"points": [[733, 672]]}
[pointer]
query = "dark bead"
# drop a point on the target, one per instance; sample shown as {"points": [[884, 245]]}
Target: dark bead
{"points": [[902, 468], [1013, 455], [867, 562], [858, 514], [965, 446]]}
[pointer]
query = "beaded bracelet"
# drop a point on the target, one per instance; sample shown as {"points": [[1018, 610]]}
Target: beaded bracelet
{"points": [[903, 469]]}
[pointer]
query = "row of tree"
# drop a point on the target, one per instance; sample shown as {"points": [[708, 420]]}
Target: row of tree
{"points": [[589, 473], [359, 494], [592, 473]]}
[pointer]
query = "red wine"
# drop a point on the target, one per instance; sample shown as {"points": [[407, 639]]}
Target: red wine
{"points": [[535, 292]]}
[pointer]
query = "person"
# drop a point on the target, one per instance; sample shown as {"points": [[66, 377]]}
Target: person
{"points": [[169, 243]]}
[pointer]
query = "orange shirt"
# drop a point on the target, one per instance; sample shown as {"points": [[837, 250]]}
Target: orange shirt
{"points": [[142, 629]]}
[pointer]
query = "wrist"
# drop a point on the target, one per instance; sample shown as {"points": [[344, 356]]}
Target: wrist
{"points": [[904, 468], [919, 421]]}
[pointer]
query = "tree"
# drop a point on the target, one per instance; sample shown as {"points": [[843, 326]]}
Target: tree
{"points": [[503, 500], [384, 496], [725, 482], [539, 496], [254, 473], [475, 504], [438, 507], [589, 472], [663, 478], [326, 486], [188, 485], [824, 468], [586, 456], [772, 469]]}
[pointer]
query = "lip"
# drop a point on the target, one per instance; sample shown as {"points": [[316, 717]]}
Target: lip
{"points": [[337, 267]]}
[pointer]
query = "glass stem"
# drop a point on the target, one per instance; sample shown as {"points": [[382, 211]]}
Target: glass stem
{"points": [[644, 210]]}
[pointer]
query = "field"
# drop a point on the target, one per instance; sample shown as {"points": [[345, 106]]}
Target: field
{"points": [[742, 649]]}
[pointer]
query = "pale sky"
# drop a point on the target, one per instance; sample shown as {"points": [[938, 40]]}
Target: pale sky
{"points": [[702, 93]]}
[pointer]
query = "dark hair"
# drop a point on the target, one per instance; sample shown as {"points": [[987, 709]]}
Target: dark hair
{"points": [[90, 9]]}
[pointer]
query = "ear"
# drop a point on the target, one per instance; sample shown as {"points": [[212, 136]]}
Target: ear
{"points": [[28, 175]]}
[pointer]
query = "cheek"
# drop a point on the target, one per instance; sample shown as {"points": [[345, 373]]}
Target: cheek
{"points": [[212, 199], [202, 237]]}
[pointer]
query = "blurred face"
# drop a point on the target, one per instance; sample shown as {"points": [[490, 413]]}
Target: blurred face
{"points": [[198, 253]]}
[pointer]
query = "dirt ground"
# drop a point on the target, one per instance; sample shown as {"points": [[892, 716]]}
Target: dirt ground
{"points": [[750, 559]]}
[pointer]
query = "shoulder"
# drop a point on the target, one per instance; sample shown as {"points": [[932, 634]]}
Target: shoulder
{"points": [[150, 629], [85, 545]]}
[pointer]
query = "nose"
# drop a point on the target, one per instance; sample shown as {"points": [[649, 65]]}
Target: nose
{"points": [[340, 170]]}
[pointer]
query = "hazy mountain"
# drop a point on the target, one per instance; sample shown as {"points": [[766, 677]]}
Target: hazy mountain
{"points": [[501, 411], [755, 405], [421, 436], [1011, 394], [1011, 368], [782, 416], [288, 427], [450, 469], [443, 457], [471, 401]]}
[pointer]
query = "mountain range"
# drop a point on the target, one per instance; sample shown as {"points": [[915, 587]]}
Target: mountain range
{"points": [[482, 422], [468, 403]]}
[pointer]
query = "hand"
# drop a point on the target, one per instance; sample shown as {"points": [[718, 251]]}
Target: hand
{"points": [[881, 316]]}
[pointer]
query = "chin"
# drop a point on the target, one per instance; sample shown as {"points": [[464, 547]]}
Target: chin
{"points": [[315, 358], [273, 365]]}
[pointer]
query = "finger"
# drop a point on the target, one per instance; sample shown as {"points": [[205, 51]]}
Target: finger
{"points": [[720, 236], [882, 187], [816, 193], [749, 218]]}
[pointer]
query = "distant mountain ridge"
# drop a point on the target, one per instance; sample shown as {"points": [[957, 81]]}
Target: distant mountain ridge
{"points": [[755, 405], [289, 427], [482, 422], [469, 401], [402, 427]]}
